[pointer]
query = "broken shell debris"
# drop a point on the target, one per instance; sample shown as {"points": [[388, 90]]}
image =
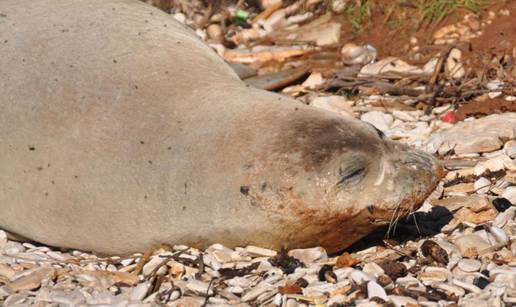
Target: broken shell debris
{"points": [[461, 249]]}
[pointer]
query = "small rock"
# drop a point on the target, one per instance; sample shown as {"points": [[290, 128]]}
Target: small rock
{"points": [[6, 271], [380, 120], [339, 6], [389, 65], [152, 264], [480, 282], [432, 250], [466, 242], [475, 136], [314, 80], [138, 293], [469, 265], [375, 290], [256, 291], [337, 104], [326, 274], [482, 185], [260, 252], [499, 234], [393, 269], [373, 269], [186, 301], [271, 3], [276, 21], [354, 54], [3, 239], [510, 194], [454, 68], [360, 277], [466, 286], [31, 281], [510, 149], [309, 255], [346, 260], [501, 204], [402, 301], [433, 276], [199, 287], [450, 289], [215, 33]]}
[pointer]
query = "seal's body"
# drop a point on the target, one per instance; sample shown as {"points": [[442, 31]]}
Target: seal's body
{"points": [[120, 129]]}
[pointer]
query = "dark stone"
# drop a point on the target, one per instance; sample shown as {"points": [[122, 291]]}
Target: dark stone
{"points": [[480, 282], [501, 204]]}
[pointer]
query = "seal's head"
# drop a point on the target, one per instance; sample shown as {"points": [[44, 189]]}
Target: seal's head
{"points": [[340, 178]]}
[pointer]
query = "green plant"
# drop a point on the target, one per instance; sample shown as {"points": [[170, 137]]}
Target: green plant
{"points": [[430, 11], [357, 13]]}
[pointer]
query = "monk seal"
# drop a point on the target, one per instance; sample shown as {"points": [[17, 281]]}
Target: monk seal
{"points": [[120, 129]]}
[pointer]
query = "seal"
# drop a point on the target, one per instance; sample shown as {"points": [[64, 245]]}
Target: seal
{"points": [[120, 129]]}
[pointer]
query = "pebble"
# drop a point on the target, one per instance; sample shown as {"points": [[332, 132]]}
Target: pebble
{"points": [[466, 242], [380, 120], [354, 54], [510, 194], [433, 276], [454, 68], [337, 104], [510, 149], [373, 269], [482, 185], [6, 271], [257, 291], [32, 280], [309, 255], [466, 286], [215, 33], [261, 252], [152, 264], [402, 301], [469, 265], [375, 290], [450, 289], [3, 239], [139, 291]]}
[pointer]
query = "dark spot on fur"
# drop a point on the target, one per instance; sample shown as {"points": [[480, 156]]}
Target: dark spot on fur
{"points": [[183, 208], [39, 168], [169, 147], [150, 162], [244, 190], [75, 176], [115, 61], [142, 142], [32, 148], [311, 141]]}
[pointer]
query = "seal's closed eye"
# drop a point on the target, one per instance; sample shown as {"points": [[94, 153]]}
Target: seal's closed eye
{"points": [[354, 175]]}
